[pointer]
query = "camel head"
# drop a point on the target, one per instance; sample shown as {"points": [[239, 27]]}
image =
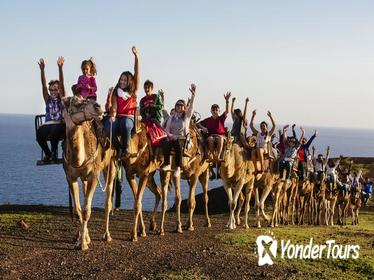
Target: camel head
{"points": [[80, 110]]}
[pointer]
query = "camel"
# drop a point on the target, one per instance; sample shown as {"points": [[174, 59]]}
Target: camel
{"points": [[319, 190], [236, 172], [264, 182], [355, 201], [142, 162], [194, 168], [85, 157], [304, 202], [344, 194]]}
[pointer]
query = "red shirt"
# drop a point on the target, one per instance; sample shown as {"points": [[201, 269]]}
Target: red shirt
{"points": [[215, 126], [301, 155], [126, 107]]}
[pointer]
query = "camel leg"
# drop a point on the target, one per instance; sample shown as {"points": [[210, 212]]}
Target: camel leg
{"points": [[257, 201], [178, 200], [248, 195], [237, 192], [165, 183], [332, 211], [157, 192], [138, 209], [204, 180], [241, 200], [191, 202], [109, 179], [85, 239], [276, 202], [265, 194], [229, 200]]}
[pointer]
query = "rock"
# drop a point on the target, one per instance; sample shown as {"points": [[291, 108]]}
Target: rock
{"points": [[22, 224]]}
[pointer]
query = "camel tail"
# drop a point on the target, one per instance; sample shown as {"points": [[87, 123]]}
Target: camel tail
{"points": [[71, 206]]}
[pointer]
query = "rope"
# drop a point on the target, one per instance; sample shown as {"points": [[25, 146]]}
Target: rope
{"points": [[103, 189]]}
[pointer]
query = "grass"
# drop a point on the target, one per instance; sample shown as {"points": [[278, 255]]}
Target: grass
{"points": [[363, 235], [8, 220]]}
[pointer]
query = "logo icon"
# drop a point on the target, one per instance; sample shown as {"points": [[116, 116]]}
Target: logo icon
{"points": [[266, 247]]}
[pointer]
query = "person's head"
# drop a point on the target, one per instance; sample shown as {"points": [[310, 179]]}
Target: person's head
{"points": [[330, 162], [238, 114], [54, 88], [180, 106], [148, 87], [88, 67], [264, 127], [126, 81], [291, 141], [320, 157], [354, 174], [215, 111], [303, 141]]}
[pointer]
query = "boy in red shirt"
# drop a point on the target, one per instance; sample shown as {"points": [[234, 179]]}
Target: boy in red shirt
{"points": [[215, 127]]}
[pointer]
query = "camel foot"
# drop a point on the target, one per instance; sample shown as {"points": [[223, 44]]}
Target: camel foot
{"points": [[208, 224], [143, 234], [246, 226], [179, 229], [152, 226], [133, 238], [191, 228], [162, 233], [238, 221], [107, 237]]}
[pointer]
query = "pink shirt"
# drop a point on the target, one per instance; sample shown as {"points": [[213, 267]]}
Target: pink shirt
{"points": [[83, 83]]}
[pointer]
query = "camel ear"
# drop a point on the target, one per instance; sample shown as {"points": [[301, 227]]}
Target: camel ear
{"points": [[66, 101]]}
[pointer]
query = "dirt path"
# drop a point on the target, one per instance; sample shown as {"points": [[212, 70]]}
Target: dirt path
{"points": [[45, 250]]}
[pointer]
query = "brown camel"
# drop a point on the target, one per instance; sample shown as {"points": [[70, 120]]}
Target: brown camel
{"points": [[355, 201], [344, 194], [194, 168], [236, 172], [304, 202], [85, 157], [142, 162]]}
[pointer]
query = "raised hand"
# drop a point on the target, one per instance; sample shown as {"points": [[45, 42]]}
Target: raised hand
{"points": [[60, 61], [254, 113], [302, 129], [293, 126], [269, 114], [247, 100], [286, 126], [134, 51], [315, 132], [41, 64], [193, 89], [227, 96], [328, 148]]}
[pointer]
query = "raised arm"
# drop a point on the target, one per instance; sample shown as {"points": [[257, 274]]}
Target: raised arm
{"points": [[245, 109], [293, 131], [42, 77], [272, 130], [136, 70], [302, 134], [313, 153], [60, 64], [190, 108], [327, 155], [232, 107], [311, 139], [252, 127], [227, 98]]}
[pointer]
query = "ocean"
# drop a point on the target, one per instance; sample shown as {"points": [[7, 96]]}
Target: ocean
{"points": [[22, 182]]}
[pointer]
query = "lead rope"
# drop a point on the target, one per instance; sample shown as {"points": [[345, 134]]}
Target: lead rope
{"points": [[103, 189]]}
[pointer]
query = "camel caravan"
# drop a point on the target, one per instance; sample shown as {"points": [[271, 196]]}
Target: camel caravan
{"points": [[143, 138]]}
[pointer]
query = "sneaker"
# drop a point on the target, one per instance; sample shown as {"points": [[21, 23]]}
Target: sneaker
{"points": [[46, 158], [177, 172], [54, 156], [166, 167]]}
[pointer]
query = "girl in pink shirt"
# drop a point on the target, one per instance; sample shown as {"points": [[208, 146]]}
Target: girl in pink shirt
{"points": [[86, 85]]}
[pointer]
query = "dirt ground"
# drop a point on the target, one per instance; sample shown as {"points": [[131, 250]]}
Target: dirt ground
{"points": [[46, 249]]}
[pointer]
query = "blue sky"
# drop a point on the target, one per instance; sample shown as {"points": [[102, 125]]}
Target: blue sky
{"points": [[309, 62]]}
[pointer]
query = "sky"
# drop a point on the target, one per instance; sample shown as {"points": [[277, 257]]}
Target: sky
{"points": [[309, 62]]}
